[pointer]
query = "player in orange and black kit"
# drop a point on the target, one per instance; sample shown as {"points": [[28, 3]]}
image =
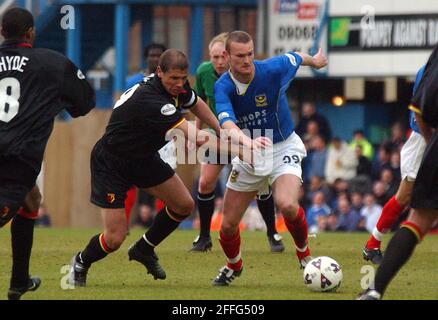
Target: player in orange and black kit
{"points": [[151, 55], [425, 192], [35, 85], [127, 155]]}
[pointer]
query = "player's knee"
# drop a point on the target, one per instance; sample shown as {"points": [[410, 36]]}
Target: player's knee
{"points": [[288, 208], [206, 186], [115, 239], [186, 207], [229, 228]]}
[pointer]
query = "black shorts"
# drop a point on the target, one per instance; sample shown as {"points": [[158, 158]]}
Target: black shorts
{"points": [[17, 178], [112, 176], [425, 193]]}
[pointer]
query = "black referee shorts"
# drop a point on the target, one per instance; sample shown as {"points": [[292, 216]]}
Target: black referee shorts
{"points": [[425, 193], [112, 176], [17, 178]]}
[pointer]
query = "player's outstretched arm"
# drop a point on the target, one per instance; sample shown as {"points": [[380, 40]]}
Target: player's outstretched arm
{"points": [[204, 114], [238, 137], [318, 61], [208, 140]]}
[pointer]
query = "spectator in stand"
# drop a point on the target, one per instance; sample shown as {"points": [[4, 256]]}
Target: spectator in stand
{"points": [[339, 189], [382, 161], [341, 162], [309, 114], [398, 137], [348, 219], [395, 165], [312, 131], [391, 184], [317, 184], [362, 182], [356, 201], [379, 192], [331, 223], [364, 164], [319, 157], [319, 208], [359, 139], [370, 212], [145, 216]]}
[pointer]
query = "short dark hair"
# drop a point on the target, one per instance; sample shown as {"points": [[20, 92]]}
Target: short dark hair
{"points": [[359, 131], [173, 59], [237, 36], [151, 46], [16, 22]]}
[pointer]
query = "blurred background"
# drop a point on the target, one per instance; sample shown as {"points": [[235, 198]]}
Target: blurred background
{"points": [[354, 109]]}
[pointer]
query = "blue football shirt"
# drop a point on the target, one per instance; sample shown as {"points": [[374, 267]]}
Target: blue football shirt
{"points": [[413, 123], [263, 103]]}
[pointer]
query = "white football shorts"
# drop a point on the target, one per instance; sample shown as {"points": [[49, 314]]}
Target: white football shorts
{"points": [[286, 159], [411, 155]]}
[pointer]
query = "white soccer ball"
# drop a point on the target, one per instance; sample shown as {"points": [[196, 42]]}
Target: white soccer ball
{"points": [[322, 274]]}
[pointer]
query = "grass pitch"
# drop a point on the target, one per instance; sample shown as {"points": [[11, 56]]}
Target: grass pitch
{"points": [[266, 275]]}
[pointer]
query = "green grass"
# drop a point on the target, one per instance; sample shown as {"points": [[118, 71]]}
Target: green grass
{"points": [[189, 275]]}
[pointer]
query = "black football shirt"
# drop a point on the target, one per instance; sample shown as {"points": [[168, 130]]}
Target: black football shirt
{"points": [[35, 85], [141, 118]]}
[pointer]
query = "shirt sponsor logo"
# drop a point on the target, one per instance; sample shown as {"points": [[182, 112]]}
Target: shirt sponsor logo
{"points": [[261, 100], [257, 118], [168, 109]]}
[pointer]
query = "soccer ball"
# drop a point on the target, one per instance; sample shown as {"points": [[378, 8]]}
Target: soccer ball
{"points": [[322, 274]]}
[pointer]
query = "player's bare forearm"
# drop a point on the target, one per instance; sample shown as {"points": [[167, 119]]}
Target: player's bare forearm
{"points": [[198, 123], [236, 135], [317, 61], [203, 112], [209, 140], [425, 129]]}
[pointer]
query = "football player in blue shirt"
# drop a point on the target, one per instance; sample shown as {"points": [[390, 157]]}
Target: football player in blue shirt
{"points": [[252, 96]]}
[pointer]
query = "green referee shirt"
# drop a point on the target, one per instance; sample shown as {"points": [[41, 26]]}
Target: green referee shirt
{"points": [[206, 76]]}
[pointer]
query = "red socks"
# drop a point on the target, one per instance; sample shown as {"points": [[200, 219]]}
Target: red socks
{"points": [[231, 247], [391, 211], [28, 215], [298, 230]]}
